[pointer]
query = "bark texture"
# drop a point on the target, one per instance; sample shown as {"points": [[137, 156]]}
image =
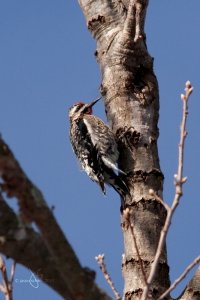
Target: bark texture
{"points": [[46, 252], [192, 291], [130, 90]]}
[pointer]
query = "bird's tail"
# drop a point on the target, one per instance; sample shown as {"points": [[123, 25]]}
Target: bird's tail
{"points": [[120, 186], [117, 183]]}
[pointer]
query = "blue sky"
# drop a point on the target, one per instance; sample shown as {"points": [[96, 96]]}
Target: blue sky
{"points": [[46, 64]]}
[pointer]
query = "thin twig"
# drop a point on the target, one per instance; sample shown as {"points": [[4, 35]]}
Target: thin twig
{"points": [[180, 278], [100, 260], [6, 286], [33, 207], [12, 272], [159, 199], [179, 181]]}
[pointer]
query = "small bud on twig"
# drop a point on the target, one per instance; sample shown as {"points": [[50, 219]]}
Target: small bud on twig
{"points": [[183, 97], [184, 179], [151, 192], [100, 260], [188, 84], [175, 176]]}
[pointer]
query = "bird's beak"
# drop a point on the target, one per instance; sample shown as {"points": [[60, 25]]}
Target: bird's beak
{"points": [[94, 102]]}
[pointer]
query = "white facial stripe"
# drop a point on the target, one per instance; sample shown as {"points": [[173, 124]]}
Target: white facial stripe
{"points": [[73, 110], [77, 109]]}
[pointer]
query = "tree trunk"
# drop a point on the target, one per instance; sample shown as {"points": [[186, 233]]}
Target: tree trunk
{"points": [[192, 291], [130, 90]]}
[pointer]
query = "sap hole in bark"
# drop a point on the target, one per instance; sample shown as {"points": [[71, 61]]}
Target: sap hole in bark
{"points": [[155, 292], [95, 21], [145, 145], [138, 78], [152, 140], [140, 176], [128, 136], [129, 295], [103, 90]]}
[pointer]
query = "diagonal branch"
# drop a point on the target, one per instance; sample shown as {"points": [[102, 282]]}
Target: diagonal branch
{"points": [[34, 208], [22, 245], [192, 291], [181, 277], [179, 181], [7, 284], [67, 276], [100, 260]]}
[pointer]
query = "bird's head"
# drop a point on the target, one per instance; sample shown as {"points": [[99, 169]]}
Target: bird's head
{"points": [[81, 108]]}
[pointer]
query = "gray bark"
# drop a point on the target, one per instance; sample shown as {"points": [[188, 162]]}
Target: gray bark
{"points": [[47, 252], [192, 291], [130, 91]]}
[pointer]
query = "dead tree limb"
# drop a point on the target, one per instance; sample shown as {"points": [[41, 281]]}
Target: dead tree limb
{"points": [[46, 253]]}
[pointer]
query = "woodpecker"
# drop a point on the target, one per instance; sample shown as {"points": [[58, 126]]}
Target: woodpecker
{"points": [[95, 147]]}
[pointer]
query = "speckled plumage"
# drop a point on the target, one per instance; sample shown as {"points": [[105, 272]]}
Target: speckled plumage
{"points": [[95, 147]]}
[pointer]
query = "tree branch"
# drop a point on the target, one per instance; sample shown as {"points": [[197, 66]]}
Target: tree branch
{"points": [[180, 278], [100, 260], [179, 181], [55, 259], [7, 284], [192, 291], [22, 244]]}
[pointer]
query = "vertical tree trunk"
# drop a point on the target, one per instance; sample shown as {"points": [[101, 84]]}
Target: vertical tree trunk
{"points": [[130, 91]]}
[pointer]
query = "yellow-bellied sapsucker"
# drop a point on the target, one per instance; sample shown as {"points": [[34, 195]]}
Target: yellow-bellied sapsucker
{"points": [[95, 147]]}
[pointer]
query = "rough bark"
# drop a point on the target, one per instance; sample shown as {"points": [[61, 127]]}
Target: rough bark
{"points": [[47, 252], [130, 91], [192, 291]]}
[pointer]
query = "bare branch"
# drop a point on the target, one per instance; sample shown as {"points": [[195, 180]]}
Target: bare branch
{"points": [[34, 208], [6, 286], [180, 278], [21, 243], [100, 259], [192, 290], [159, 199], [56, 258], [12, 272], [179, 181]]}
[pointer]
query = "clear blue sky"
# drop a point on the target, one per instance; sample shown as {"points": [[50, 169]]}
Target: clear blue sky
{"points": [[46, 64]]}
